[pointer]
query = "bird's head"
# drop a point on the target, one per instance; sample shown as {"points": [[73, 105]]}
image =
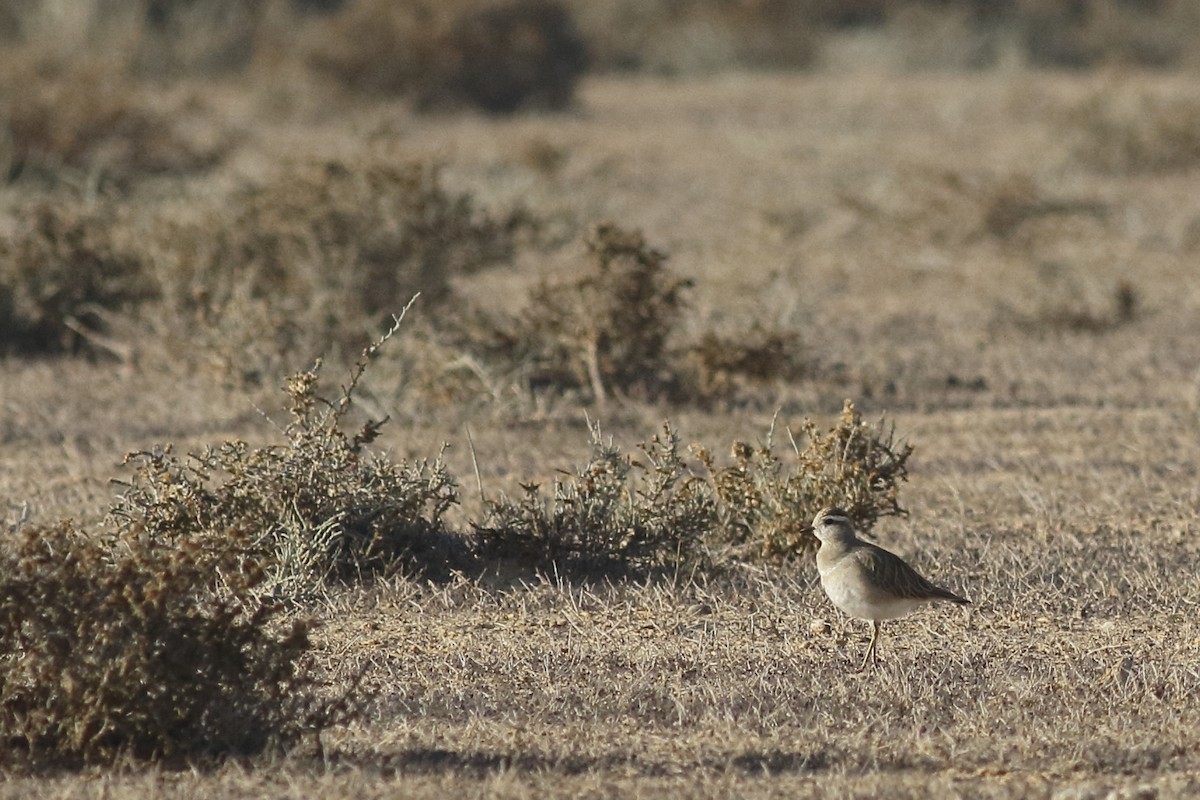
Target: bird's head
{"points": [[832, 523]]}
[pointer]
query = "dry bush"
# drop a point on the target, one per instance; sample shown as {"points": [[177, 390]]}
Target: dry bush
{"points": [[317, 507], [1062, 308], [613, 330], [765, 505], [610, 329], [382, 230], [1131, 131], [310, 262], [704, 36], [84, 113], [623, 516], [66, 271], [145, 647], [198, 36], [726, 365], [617, 517], [498, 57], [1089, 33]]}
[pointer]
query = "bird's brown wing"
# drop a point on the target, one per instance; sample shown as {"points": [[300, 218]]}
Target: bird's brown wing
{"points": [[890, 573]]}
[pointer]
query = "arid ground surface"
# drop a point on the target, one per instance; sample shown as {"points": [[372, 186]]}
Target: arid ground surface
{"points": [[1002, 262]]}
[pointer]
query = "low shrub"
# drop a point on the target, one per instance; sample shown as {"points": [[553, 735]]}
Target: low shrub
{"points": [[1124, 131], [63, 276], [650, 514], [613, 330], [616, 517], [320, 506], [145, 647], [608, 330], [500, 57], [765, 503], [311, 262], [86, 115], [726, 365]]}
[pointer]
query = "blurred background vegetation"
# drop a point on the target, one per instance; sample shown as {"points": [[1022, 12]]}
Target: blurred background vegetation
{"points": [[505, 54]]}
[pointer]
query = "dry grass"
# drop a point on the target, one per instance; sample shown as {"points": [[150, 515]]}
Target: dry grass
{"points": [[936, 246]]}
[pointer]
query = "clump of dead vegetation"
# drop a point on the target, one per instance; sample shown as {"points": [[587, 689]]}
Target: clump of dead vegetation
{"points": [[614, 329], [1061, 310], [500, 57], [1132, 131], [311, 261], [729, 365], [765, 502], [618, 516], [138, 646], [609, 329], [650, 513], [320, 506], [67, 272], [384, 230], [86, 116]]}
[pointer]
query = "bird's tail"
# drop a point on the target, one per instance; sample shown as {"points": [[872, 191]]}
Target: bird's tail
{"points": [[945, 594]]}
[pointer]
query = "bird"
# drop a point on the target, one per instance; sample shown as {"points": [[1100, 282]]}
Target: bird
{"points": [[865, 581]]}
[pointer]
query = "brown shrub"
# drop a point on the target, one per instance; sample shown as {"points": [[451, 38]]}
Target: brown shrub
{"points": [[648, 514], [319, 506], [382, 230], [609, 329], [144, 647], [63, 276], [726, 365], [498, 57], [765, 505], [84, 114], [311, 262], [1131, 131], [614, 329], [616, 517]]}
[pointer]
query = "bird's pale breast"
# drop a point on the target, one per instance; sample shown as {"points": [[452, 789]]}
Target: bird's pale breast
{"points": [[854, 594]]}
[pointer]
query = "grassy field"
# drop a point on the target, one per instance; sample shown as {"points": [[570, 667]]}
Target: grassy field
{"points": [[1002, 262]]}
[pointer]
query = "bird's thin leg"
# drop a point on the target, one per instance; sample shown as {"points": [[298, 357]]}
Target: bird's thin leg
{"points": [[870, 654]]}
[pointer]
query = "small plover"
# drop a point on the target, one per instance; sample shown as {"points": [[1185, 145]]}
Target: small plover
{"points": [[864, 580]]}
